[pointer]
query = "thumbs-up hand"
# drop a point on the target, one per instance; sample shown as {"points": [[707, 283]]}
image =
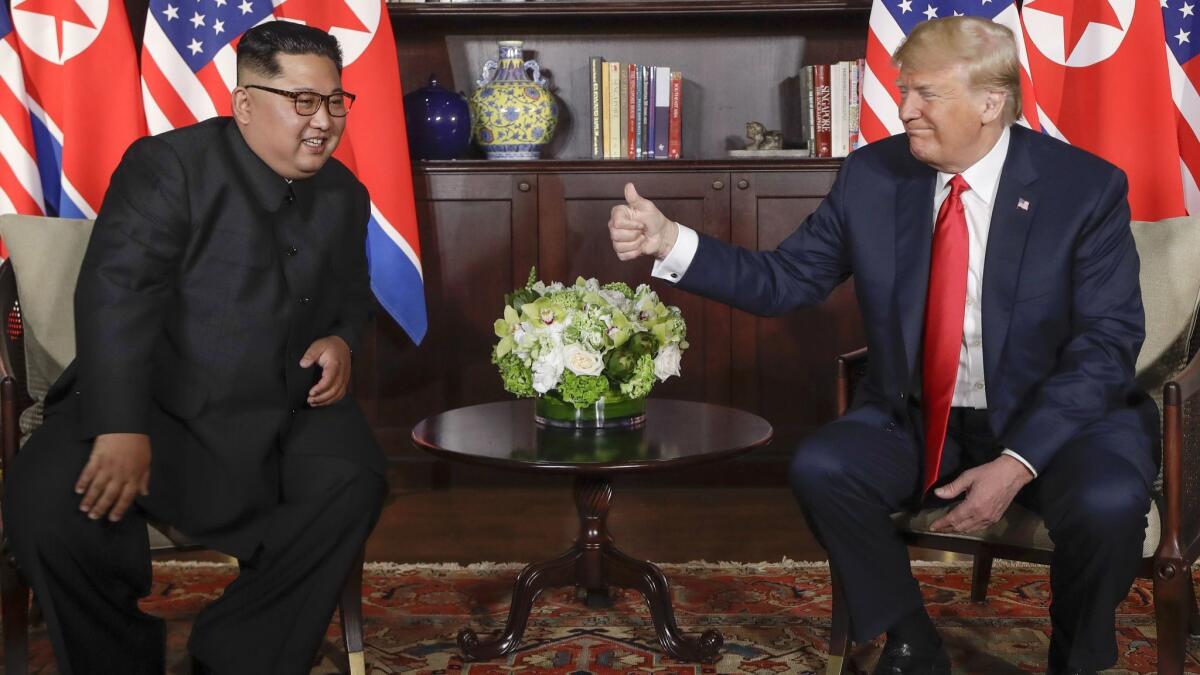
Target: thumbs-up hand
{"points": [[638, 228]]}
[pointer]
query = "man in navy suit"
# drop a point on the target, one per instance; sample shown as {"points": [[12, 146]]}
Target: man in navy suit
{"points": [[998, 283]]}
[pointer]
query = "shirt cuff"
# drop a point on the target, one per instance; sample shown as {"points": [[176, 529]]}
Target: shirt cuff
{"points": [[676, 264], [1020, 459]]}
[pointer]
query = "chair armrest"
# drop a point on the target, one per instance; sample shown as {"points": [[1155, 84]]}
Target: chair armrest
{"points": [[851, 367], [1181, 465]]}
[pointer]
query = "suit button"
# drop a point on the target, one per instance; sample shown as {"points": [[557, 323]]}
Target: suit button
{"points": [[890, 426], [900, 396], [291, 251], [304, 300], [289, 198], [293, 411]]}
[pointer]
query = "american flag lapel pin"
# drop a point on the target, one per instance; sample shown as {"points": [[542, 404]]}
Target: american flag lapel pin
{"points": [[1023, 204]]}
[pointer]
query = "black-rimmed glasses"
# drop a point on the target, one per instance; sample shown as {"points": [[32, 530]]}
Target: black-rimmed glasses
{"points": [[309, 102]]}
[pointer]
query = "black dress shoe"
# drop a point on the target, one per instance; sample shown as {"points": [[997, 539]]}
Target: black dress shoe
{"points": [[901, 658]]}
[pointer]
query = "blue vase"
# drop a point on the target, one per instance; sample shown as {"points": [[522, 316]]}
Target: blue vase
{"points": [[439, 122]]}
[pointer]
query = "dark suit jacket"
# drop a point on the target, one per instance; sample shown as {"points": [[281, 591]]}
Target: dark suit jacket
{"points": [[1062, 309], [206, 278]]}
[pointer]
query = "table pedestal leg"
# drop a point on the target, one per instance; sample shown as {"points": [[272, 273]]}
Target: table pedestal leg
{"points": [[531, 581], [594, 563]]}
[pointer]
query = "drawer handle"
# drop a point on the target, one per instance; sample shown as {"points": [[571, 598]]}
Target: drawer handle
{"points": [[523, 186], [743, 184], [717, 185]]}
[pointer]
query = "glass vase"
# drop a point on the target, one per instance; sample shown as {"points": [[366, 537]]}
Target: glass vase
{"points": [[607, 413]]}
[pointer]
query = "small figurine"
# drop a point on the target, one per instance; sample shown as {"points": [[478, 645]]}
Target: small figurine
{"points": [[762, 138]]}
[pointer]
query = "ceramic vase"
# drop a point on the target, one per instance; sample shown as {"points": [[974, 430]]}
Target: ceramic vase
{"points": [[513, 114]]}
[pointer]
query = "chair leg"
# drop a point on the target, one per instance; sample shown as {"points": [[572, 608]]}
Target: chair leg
{"points": [[1173, 604], [981, 575], [839, 638], [14, 614], [350, 611]]}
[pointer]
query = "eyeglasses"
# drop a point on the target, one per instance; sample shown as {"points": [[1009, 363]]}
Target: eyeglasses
{"points": [[309, 102]]}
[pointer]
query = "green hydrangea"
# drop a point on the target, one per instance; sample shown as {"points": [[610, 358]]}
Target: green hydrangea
{"points": [[517, 376], [569, 298], [640, 383], [671, 329], [584, 390], [621, 287], [587, 329]]}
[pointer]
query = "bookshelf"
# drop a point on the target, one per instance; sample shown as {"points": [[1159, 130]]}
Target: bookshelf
{"points": [[484, 223]]}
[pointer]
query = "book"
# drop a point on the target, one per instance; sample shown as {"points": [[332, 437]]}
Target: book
{"points": [[675, 129], [855, 101], [821, 112], [640, 113], [623, 110], [662, 111], [839, 80], [806, 111], [595, 67], [631, 112], [651, 94], [614, 110], [605, 112]]}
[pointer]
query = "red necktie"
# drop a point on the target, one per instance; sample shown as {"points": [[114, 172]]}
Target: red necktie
{"points": [[945, 308]]}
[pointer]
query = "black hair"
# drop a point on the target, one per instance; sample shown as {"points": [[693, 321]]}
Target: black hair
{"points": [[260, 45]]}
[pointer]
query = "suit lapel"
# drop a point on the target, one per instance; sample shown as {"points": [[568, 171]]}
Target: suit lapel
{"points": [[1012, 215], [914, 237]]}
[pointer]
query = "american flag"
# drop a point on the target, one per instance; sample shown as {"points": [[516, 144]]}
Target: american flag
{"points": [[20, 184], [189, 58], [189, 68], [1183, 43], [891, 21]]}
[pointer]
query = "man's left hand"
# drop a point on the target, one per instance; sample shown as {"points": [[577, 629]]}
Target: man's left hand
{"points": [[989, 489], [332, 354]]}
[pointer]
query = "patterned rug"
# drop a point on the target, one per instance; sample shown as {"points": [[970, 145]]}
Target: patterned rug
{"points": [[775, 619]]}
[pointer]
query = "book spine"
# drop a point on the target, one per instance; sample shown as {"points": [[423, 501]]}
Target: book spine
{"points": [[623, 110], [856, 68], [651, 93], [662, 114], [675, 131], [640, 111], [597, 111], [822, 111], [631, 112], [605, 111], [614, 110], [812, 118]]}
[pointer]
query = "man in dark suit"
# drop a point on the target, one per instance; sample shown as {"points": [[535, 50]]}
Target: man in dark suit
{"points": [[223, 291], [998, 283]]}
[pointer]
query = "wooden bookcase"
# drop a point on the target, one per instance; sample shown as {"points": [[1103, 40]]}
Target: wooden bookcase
{"points": [[483, 224]]}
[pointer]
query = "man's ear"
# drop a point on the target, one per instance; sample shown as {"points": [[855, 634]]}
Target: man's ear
{"points": [[241, 105], [993, 105]]}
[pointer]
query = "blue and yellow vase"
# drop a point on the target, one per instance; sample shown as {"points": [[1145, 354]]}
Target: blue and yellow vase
{"points": [[512, 115]]}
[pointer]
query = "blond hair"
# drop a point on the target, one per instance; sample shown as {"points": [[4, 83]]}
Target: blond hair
{"points": [[987, 50]]}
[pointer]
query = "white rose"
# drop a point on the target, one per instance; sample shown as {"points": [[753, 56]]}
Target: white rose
{"points": [[581, 361], [666, 363], [547, 370]]}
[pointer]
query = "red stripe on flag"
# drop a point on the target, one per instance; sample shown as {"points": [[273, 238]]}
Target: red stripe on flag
{"points": [[22, 201], [869, 126], [1189, 146], [14, 112], [217, 90], [165, 96], [879, 60]]}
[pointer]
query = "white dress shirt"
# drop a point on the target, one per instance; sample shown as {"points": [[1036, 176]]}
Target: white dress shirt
{"points": [[970, 390]]}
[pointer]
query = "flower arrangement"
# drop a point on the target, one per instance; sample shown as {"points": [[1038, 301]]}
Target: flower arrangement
{"points": [[587, 343]]}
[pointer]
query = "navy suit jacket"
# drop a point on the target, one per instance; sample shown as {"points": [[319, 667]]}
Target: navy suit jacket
{"points": [[1062, 308]]}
